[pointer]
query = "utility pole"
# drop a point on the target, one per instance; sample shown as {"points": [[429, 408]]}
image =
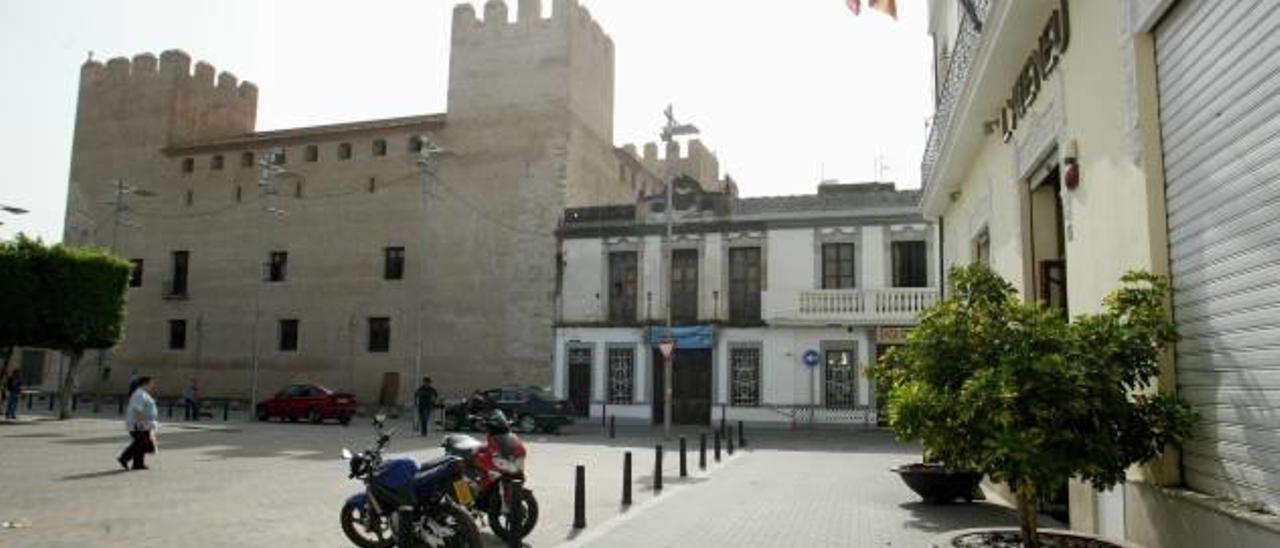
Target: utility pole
{"points": [[269, 169], [428, 163], [119, 207], [669, 132]]}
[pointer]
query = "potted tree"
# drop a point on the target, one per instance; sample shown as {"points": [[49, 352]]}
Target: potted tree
{"points": [[1018, 393]]}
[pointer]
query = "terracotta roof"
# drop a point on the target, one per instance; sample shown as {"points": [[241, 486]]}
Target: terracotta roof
{"points": [[257, 139]]}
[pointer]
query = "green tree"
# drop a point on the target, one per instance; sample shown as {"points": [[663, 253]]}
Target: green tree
{"points": [[74, 302], [989, 383], [17, 310]]}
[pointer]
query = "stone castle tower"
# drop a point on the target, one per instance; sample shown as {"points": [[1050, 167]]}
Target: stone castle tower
{"points": [[527, 132]]}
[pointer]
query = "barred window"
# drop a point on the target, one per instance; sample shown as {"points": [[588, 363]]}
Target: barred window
{"points": [[839, 383], [622, 366], [745, 376]]}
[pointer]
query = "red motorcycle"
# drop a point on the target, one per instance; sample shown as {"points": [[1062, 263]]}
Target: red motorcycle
{"points": [[495, 470]]}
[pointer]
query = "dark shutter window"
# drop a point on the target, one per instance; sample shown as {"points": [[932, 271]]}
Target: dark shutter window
{"points": [[684, 285], [216, 162], [415, 144], [177, 334], [246, 159], [277, 266], [344, 151], [624, 276], [178, 284], [135, 274], [838, 266], [379, 147], [393, 263], [188, 165], [909, 269], [379, 334], [744, 284], [288, 335], [313, 153]]}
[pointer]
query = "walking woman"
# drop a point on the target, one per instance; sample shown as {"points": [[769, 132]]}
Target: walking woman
{"points": [[140, 420]]}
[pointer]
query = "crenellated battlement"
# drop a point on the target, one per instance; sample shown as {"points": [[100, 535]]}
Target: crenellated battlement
{"points": [[172, 66], [497, 19], [696, 161], [163, 100]]}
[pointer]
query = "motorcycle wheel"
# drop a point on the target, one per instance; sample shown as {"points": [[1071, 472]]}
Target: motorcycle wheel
{"points": [[500, 523], [454, 518], [353, 525]]}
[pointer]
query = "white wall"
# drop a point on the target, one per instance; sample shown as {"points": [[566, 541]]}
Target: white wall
{"points": [[791, 268], [584, 274]]}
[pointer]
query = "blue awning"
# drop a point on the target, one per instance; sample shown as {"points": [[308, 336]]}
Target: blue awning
{"points": [[686, 337]]}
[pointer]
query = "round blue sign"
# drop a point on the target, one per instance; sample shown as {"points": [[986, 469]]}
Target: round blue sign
{"points": [[810, 357]]}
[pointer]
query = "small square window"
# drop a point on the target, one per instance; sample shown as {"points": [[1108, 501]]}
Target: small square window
{"points": [[313, 153], [190, 197], [215, 163], [379, 334], [379, 147], [177, 334], [239, 193], [373, 185], [344, 151], [288, 335], [297, 189], [188, 165], [415, 144], [135, 274], [278, 156], [246, 159]]}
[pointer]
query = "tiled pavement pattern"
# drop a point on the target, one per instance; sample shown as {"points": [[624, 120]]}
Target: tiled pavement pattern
{"points": [[250, 485]]}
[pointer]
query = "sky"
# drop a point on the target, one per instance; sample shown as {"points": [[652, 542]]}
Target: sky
{"points": [[786, 92]]}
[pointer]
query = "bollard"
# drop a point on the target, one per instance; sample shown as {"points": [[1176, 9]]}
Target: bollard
{"points": [[31, 398], [613, 424], [684, 468], [51, 396], [702, 451], [604, 415], [75, 402], [742, 439], [97, 403], [580, 497], [517, 516], [717, 446], [729, 441], [226, 409], [626, 478], [171, 409], [119, 405], [657, 469]]}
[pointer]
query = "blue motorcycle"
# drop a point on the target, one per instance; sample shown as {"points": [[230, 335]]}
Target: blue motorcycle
{"points": [[405, 504]]}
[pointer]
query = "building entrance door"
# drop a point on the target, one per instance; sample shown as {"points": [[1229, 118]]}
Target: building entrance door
{"points": [[580, 380], [691, 387]]}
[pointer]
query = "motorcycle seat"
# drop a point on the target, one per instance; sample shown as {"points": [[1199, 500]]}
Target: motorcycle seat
{"points": [[458, 444], [436, 462]]}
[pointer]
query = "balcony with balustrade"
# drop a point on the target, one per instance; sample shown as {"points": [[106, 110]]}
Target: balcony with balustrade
{"points": [[894, 305]]}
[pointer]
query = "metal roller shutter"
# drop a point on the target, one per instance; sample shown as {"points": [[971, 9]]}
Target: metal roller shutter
{"points": [[1219, 74]]}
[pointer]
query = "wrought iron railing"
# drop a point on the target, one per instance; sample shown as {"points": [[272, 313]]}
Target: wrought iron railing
{"points": [[957, 79]]}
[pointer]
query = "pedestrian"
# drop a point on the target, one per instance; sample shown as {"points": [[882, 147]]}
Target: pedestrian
{"points": [[12, 390], [191, 402], [140, 420], [425, 397]]}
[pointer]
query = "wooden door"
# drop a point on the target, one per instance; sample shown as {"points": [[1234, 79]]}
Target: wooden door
{"points": [[580, 380], [691, 387]]}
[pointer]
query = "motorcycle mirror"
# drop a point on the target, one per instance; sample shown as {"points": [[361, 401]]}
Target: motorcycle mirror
{"points": [[346, 454]]}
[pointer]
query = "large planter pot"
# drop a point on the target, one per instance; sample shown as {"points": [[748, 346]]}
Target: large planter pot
{"points": [[1005, 537], [936, 485]]}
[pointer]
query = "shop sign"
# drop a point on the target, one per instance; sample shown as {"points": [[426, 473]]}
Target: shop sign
{"points": [[1044, 58]]}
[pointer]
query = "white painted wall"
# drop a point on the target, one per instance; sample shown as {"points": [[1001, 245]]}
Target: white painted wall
{"points": [[791, 268], [711, 278], [583, 280], [873, 259], [653, 296]]}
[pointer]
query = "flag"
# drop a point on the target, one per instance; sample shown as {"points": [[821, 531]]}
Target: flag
{"points": [[889, 7]]}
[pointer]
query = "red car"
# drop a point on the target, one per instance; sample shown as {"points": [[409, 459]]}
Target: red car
{"points": [[312, 402]]}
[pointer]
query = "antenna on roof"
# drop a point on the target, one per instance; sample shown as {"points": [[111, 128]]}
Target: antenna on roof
{"points": [[90, 55]]}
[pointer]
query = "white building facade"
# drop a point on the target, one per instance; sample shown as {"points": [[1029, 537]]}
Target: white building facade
{"points": [[779, 305]]}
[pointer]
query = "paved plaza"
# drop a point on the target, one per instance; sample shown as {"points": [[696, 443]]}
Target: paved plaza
{"points": [[248, 484]]}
